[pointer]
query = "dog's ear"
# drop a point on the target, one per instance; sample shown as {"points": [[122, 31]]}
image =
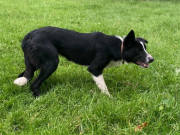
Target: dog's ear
{"points": [[129, 38], [142, 40], [145, 41]]}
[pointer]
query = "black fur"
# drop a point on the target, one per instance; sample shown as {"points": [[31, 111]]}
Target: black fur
{"points": [[95, 50]]}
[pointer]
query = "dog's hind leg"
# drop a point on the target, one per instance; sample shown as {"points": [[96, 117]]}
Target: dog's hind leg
{"points": [[45, 71], [26, 75], [21, 74]]}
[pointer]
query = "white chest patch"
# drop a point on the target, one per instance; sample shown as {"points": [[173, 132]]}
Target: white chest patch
{"points": [[114, 64]]}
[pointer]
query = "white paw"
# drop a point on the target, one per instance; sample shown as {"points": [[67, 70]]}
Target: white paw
{"points": [[21, 81], [107, 93]]}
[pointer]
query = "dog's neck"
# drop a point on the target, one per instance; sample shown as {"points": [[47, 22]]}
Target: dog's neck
{"points": [[122, 46]]}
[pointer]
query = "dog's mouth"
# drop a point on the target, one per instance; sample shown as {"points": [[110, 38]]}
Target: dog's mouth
{"points": [[144, 65]]}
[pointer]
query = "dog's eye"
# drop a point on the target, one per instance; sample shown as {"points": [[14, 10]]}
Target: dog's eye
{"points": [[139, 49]]}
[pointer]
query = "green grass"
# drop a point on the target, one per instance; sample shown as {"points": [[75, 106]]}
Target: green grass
{"points": [[70, 102]]}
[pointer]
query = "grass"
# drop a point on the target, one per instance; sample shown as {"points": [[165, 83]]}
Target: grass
{"points": [[70, 102]]}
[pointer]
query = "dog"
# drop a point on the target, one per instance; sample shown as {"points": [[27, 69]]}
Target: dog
{"points": [[95, 50]]}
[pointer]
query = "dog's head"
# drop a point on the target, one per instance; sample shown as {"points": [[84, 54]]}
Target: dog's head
{"points": [[134, 50]]}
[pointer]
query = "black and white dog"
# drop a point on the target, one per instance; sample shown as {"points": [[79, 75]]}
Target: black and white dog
{"points": [[95, 50]]}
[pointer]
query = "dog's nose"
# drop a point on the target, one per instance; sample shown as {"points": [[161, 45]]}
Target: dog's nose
{"points": [[151, 59]]}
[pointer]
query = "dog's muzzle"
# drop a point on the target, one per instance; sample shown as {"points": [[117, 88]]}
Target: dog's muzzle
{"points": [[149, 59]]}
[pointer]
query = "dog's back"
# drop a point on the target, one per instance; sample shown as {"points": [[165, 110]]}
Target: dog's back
{"points": [[77, 47]]}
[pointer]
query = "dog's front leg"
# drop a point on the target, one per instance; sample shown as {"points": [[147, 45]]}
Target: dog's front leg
{"points": [[101, 84], [96, 68]]}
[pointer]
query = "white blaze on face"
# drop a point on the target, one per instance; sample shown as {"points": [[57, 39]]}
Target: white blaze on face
{"points": [[144, 48], [147, 54]]}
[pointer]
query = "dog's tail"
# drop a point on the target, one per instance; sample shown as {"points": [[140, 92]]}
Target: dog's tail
{"points": [[29, 72]]}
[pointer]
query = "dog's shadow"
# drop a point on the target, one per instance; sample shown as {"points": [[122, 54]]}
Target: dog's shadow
{"points": [[83, 81], [68, 80]]}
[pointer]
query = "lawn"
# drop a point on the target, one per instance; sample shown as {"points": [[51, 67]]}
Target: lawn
{"points": [[70, 102]]}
